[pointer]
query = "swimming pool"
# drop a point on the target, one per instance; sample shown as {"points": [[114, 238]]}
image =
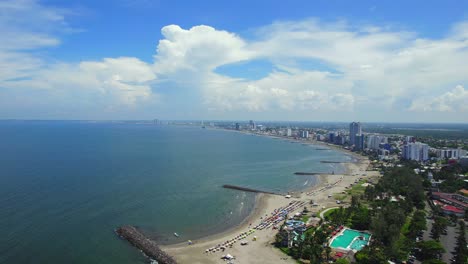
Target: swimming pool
{"points": [[350, 239]]}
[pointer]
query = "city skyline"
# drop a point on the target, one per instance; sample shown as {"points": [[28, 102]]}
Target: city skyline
{"points": [[139, 60]]}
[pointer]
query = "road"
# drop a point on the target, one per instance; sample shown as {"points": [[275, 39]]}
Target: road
{"points": [[449, 242]]}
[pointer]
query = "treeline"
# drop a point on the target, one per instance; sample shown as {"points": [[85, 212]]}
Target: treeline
{"points": [[397, 216]]}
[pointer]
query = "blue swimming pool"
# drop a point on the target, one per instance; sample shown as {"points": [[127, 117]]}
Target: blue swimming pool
{"points": [[351, 239]]}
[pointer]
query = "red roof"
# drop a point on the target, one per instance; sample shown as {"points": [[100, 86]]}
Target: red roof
{"points": [[449, 198], [452, 209]]}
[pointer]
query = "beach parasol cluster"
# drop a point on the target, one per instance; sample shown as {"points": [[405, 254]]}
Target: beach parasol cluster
{"points": [[229, 243], [276, 216]]}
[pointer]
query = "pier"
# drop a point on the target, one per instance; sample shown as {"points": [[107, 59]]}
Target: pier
{"points": [[148, 246], [245, 189]]}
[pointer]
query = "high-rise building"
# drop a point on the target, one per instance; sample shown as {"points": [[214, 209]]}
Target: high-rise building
{"points": [[374, 141], [359, 142], [252, 124], [288, 132], [340, 139], [304, 134], [354, 131], [237, 126], [416, 151], [331, 137]]}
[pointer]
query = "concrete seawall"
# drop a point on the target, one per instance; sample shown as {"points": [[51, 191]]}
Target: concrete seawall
{"points": [[148, 246]]}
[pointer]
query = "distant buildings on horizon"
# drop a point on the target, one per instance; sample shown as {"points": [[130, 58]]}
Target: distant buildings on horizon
{"points": [[356, 139]]}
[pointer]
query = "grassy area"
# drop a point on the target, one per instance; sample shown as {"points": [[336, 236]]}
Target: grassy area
{"points": [[405, 227], [339, 196], [402, 242], [329, 212], [357, 188], [285, 250], [305, 218]]}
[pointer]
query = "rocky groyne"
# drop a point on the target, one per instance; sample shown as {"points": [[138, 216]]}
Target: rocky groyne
{"points": [[148, 246], [245, 189]]}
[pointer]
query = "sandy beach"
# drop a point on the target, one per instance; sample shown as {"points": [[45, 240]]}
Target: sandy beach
{"points": [[262, 250]]}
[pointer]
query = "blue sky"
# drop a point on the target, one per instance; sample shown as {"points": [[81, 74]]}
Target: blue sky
{"points": [[269, 60]]}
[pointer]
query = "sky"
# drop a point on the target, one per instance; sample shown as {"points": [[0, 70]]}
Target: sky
{"points": [[371, 61]]}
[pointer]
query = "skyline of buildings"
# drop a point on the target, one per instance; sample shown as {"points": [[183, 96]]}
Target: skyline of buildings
{"points": [[355, 139]]}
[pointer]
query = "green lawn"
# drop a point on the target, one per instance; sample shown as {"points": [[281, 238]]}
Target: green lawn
{"points": [[357, 188], [339, 196]]}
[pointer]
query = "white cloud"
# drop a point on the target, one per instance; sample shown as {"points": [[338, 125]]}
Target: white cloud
{"points": [[114, 81], [455, 100], [318, 67], [28, 27], [201, 48]]}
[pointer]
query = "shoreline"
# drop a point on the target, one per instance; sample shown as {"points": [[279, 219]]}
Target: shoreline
{"points": [[265, 204], [260, 198]]}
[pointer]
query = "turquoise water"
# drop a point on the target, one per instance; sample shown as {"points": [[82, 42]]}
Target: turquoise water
{"points": [[65, 186], [345, 240]]}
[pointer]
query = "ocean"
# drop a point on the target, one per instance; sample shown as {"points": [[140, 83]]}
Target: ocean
{"points": [[66, 185]]}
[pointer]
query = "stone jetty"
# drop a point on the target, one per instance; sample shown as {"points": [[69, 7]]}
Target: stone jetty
{"points": [[148, 246], [245, 189], [309, 173]]}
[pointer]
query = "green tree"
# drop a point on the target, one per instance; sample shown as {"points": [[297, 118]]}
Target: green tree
{"points": [[440, 223], [341, 261], [360, 219], [461, 251], [430, 250], [371, 255]]}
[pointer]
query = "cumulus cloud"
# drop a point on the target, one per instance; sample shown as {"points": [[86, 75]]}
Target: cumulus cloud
{"points": [[201, 48], [455, 100], [115, 81]]}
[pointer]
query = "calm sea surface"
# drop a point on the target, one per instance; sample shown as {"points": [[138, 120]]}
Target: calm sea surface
{"points": [[65, 186]]}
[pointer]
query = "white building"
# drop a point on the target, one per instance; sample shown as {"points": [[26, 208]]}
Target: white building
{"points": [[304, 134], [373, 141], [288, 132], [450, 153], [416, 151]]}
